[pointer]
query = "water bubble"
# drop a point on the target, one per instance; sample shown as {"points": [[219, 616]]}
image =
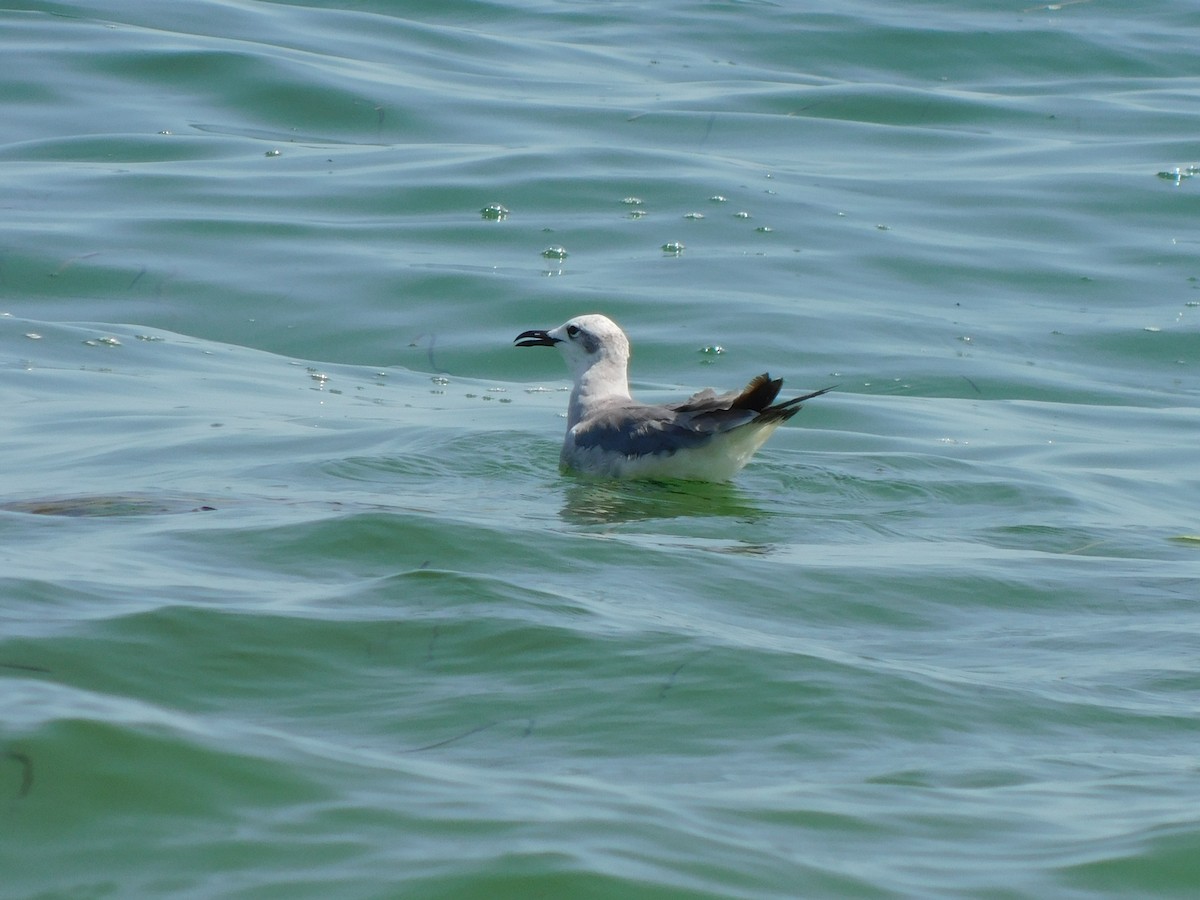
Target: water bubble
{"points": [[741, 215], [694, 215], [717, 198], [632, 201]]}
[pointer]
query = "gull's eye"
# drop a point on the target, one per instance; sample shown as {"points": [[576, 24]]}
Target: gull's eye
{"points": [[572, 331]]}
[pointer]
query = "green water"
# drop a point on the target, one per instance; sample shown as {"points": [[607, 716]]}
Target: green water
{"points": [[294, 601]]}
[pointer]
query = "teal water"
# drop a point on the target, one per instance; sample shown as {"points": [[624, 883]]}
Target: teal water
{"points": [[295, 603]]}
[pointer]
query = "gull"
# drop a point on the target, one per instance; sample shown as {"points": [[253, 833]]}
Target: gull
{"points": [[708, 437]]}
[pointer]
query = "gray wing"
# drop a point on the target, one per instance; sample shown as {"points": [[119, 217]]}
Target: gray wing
{"points": [[758, 395], [639, 429]]}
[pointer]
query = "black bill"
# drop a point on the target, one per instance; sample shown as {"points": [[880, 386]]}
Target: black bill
{"points": [[534, 339]]}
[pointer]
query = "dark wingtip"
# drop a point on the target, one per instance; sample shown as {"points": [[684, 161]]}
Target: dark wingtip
{"points": [[759, 393], [536, 338], [789, 408]]}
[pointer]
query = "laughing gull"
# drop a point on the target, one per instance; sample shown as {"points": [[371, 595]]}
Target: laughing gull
{"points": [[708, 437]]}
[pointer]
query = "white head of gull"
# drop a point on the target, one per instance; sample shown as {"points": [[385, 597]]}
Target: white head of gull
{"points": [[708, 437]]}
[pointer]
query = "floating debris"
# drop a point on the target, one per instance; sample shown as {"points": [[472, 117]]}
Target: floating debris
{"points": [[1180, 174], [764, 229], [494, 211], [675, 247], [555, 253], [273, 153], [694, 215], [741, 215], [717, 198], [632, 201]]}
